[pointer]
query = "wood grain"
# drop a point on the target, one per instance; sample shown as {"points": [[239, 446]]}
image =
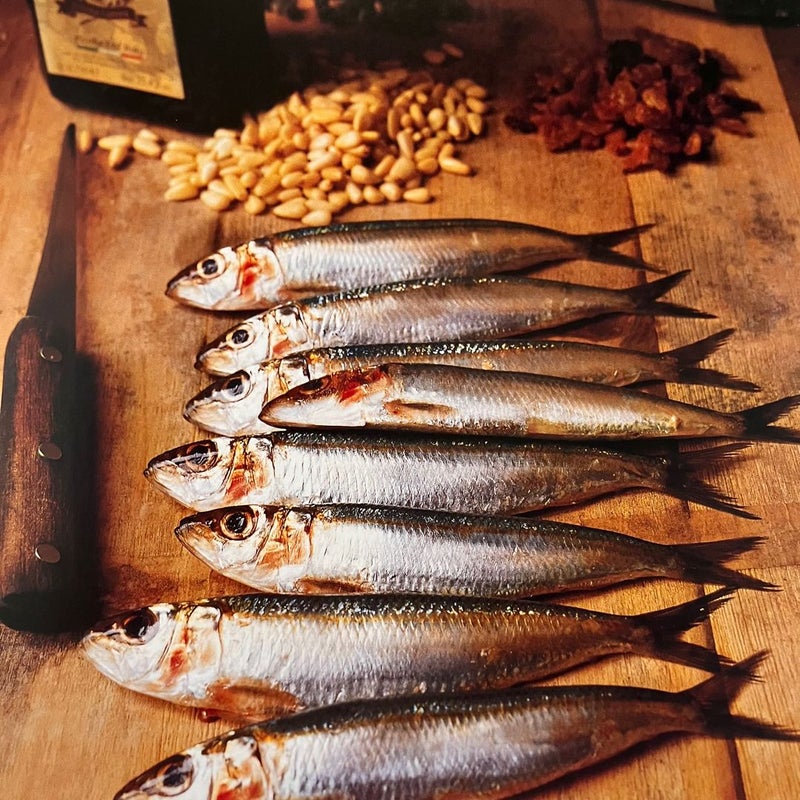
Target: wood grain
{"points": [[69, 732]]}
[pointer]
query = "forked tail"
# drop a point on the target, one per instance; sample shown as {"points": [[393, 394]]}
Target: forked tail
{"points": [[758, 421], [682, 479], [704, 562], [712, 697], [687, 357], [598, 248], [662, 628], [644, 298]]}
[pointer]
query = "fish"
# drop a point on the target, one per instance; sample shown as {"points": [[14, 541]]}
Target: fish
{"points": [[230, 406], [304, 262], [260, 655], [470, 475], [428, 310], [356, 548], [492, 745], [436, 398]]}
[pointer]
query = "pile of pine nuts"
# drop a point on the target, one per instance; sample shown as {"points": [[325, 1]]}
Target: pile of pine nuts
{"points": [[375, 137]]}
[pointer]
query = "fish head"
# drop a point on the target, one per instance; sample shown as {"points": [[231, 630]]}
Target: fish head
{"points": [[343, 399], [168, 650], [288, 332], [230, 406], [255, 544], [231, 279], [198, 474], [240, 346], [229, 766]]}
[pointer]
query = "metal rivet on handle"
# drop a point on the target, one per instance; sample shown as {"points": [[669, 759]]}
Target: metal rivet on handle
{"points": [[49, 450], [47, 552], [50, 353]]}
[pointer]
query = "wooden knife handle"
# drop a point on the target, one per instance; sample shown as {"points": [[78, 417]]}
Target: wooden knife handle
{"points": [[46, 559]]}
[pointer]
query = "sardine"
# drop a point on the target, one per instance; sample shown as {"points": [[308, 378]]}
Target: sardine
{"points": [[433, 310], [470, 475], [262, 655], [395, 550], [230, 406], [309, 261], [435, 398], [474, 747]]}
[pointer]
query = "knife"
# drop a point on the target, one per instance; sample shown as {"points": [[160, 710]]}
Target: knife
{"points": [[46, 483]]}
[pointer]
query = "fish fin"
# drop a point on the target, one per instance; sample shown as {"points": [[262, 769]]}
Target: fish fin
{"points": [[411, 411], [248, 701], [757, 421], [703, 563], [598, 248], [316, 586], [683, 482], [661, 628], [713, 696], [644, 298], [687, 357]]}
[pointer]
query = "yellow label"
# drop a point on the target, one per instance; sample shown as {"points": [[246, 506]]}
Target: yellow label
{"points": [[129, 43]]}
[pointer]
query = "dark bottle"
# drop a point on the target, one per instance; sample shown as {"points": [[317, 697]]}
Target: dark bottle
{"points": [[192, 64]]}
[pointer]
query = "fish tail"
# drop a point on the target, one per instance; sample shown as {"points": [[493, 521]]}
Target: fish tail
{"points": [[757, 421], [683, 482], [644, 298], [598, 248], [711, 698], [704, 563], [687, 357], [660, 631]]}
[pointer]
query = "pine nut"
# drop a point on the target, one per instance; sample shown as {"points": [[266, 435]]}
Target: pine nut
{"points": [[147, 147], [84, 140], [452, 50], [455, 166], [117, 156], [181, 191], [419, 195], [214, 200], [115, 141], [317, 218], [293, 209], [255, 205]]}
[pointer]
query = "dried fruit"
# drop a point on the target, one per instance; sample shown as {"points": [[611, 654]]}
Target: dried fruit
{"points": [[652, 101]]}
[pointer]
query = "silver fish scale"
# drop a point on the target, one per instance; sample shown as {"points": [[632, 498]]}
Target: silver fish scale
{"points": [[339, 257], [464, 475], [469, 745]]}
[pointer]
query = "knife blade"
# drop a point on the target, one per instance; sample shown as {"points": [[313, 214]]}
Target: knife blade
{"points": [[46, 484]]}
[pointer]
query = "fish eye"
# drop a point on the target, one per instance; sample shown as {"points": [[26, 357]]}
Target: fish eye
{"points": [[237, 525], [209, 267], [199, 456], [240, 336], [174, 776], [138, 626], [235, 386]]}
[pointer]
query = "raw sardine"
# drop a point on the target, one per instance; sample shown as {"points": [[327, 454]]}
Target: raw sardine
{"points": [[309, 261], [395, 550], [489, 746], [434, 310], [230, 406], [264, 655], [470, 475], [434, 398]]}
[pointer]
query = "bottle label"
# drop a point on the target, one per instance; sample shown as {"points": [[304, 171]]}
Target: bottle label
{"points": [[128, 43]]}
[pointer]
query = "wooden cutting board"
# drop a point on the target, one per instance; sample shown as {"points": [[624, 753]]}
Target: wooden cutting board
{"points": [[68, 732]]}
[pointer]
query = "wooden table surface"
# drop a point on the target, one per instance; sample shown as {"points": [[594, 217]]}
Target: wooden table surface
{"points": [[67, 732]]}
